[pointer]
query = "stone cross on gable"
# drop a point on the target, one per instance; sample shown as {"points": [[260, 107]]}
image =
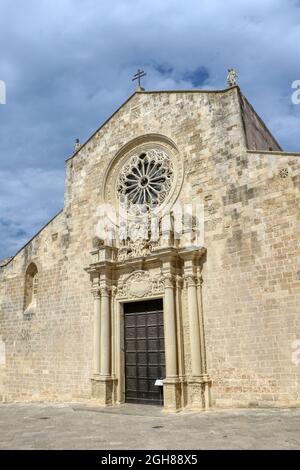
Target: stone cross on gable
{"points": [[137, 76]]}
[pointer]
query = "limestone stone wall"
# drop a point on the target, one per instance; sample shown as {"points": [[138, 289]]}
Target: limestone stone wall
{"points": [[47, 353], [251, 272], [251, 282], [258, 137]]}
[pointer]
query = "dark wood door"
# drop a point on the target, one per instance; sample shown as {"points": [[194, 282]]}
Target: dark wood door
{"points": [[144, 351]]}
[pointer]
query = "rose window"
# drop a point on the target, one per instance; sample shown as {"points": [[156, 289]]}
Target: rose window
{"points": [[145, 181]]}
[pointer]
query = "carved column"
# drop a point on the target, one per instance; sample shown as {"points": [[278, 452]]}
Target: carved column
{"points": [[105, 362], [206, 381], [201, 326], [194, 325], [115, 340], [180, 339], [102, 383], [172, 387], [179, 283], [96, 356], [100, 271], [195, 381], [170, 329]]}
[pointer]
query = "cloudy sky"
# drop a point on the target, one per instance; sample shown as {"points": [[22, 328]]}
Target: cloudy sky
{"points": [[67, 65]]}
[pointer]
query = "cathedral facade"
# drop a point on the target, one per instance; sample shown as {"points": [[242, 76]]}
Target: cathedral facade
{"points": [[172, 274]]}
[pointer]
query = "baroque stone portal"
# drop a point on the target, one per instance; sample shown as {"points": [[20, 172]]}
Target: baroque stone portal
{"points": [[131, 264]]}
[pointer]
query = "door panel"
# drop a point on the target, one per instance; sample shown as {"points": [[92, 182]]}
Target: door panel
{"points": [[144, 351]]}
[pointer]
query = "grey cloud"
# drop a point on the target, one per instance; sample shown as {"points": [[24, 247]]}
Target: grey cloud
{"points": [[27, 200], [68, 65]]}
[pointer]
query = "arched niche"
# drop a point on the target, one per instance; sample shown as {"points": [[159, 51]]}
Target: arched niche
{"points": [[31, 289]]}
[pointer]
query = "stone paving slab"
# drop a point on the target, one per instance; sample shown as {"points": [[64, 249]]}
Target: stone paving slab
{"points": [[81, 426]]}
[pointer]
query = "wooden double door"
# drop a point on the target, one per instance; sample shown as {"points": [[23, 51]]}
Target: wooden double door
{"points": [[144, 351]]}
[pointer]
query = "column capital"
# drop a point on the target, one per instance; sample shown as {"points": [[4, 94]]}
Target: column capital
{"points": [[169, 281], [104, 291], [190, 280], [96, 292]]}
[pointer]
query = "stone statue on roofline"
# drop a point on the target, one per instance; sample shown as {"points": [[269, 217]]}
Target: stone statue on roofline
{"points": [[231, 77]]}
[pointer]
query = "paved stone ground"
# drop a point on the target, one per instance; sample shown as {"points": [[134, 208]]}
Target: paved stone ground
{"points": [[80, 426]]}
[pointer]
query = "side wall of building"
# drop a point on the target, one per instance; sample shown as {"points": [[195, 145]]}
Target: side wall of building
{"points": [[252, 281], [258, 136], [46, 352]]}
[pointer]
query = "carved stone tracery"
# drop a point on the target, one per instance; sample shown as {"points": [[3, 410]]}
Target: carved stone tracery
{"points": [[145, 181], [161, 157]]}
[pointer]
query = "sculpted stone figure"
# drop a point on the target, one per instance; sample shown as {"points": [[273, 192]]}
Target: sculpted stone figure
{"points": [[231, 77]]}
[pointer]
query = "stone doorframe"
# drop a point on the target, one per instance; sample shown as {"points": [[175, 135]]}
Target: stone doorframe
{"points": [[169, 273]]}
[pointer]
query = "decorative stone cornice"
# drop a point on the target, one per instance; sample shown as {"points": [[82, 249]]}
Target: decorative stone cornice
{"points": [[193, 255]]}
